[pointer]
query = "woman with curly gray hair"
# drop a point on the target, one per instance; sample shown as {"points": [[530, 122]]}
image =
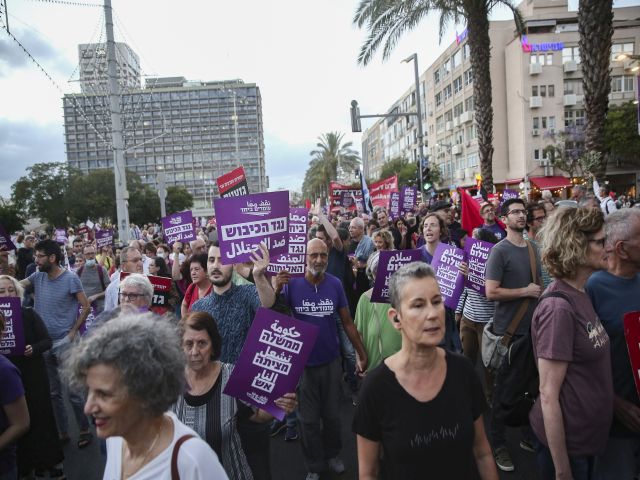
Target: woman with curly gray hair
{"points": [[572, 415], [132, 371]]}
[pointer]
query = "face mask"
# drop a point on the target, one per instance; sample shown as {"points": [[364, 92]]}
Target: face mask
{"points": [[160, 254], [90, 263]]}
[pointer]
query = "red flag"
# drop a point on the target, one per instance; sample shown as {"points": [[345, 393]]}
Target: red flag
{"points": [[470, 217], [307, 203]]}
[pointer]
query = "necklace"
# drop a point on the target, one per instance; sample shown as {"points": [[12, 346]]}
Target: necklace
{"points": [[146, 455]]}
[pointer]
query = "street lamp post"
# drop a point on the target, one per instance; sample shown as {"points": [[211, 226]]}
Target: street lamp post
{"points": [[414, 58]]}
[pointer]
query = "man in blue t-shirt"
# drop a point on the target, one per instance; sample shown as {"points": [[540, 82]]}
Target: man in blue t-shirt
{"points": [[58, 292], [318, 298], [488, 213], [613, 293]]}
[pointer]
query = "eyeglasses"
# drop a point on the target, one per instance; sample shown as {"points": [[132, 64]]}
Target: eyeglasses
{"points": [[598, 241], [517, 212], [130, 296]]}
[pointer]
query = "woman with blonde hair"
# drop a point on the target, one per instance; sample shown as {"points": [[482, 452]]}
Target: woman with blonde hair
{"points": [[383, 240], [572, 415]]}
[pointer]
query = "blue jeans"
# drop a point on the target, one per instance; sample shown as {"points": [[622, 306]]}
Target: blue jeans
{"points": [[582, 467], [620, 460], [52, 359]]}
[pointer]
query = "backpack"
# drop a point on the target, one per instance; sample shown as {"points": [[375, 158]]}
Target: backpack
{"points": [[100, 275], [518, 376]]}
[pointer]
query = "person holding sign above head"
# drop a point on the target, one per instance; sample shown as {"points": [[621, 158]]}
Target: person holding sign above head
{"points": [[319, 298], [233, 307], [421, 408], [39, 448], [204, 408]]}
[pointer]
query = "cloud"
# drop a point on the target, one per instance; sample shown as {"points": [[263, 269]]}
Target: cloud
{"points": [[286, 163], [12, 56], [23, 144]]}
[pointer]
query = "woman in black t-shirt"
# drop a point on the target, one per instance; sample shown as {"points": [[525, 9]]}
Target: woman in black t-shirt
{"points": [[421, 408]]}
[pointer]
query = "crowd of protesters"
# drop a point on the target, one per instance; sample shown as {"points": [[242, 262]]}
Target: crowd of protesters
{"points": [[559, 279]]}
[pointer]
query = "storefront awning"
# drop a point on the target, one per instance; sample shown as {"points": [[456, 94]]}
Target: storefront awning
{"points": [[550, 183]]}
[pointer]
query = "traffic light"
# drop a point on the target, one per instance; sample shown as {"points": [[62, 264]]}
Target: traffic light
{"points": [[355, 117]]}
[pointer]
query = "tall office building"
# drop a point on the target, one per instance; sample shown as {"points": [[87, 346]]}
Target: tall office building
{"points": [[93, 67], [193, 131], [537, 93]]}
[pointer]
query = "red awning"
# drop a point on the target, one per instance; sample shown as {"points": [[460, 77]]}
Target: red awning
{"points": [[513, 181], [548, 183]]}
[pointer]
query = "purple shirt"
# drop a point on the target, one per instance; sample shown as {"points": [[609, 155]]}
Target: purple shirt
{"points": [[496, 230], [10, 391], [319, 306]]}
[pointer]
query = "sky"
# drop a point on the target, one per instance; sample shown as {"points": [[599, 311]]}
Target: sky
{"points": [[301, 54]]}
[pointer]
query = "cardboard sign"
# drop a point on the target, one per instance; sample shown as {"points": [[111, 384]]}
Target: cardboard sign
{"points": [[408, 198], [82, 230], [5, 241], [104, 238], [477, 252], [446, 263], [233, 184], [394, 204], [12, 338], [388, 262], [245, 222], [61, 236], [509, 194], [178, 227], [381, 191], [338, 192], [272, 360], [161, 289], [632, 336], [348, 201], [295, 261]]}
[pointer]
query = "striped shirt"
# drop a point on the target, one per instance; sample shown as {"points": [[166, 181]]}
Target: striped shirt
{"points": [[475, 307]]}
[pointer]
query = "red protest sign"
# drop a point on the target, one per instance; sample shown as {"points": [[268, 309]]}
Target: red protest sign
{"points": [[233, 184], [161, 289], [632, 336]]}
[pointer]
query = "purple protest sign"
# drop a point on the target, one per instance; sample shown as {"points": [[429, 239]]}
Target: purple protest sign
{"points": [[5, 240], [477, 256], [394, 204], [272, 360], [61, 236], [408, 197], [90, 318], [244, 222], [509, 194], [294, 261], [104, 238], [388, 262], [446, 262], [12, 337], [178, 227]]}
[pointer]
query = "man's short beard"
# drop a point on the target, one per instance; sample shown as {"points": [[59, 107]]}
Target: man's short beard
{"points": [[317, 273], [224, 281]]}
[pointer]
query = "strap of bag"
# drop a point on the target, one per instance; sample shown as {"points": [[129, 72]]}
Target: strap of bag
{"points": [[175, 475], [522, 309]]}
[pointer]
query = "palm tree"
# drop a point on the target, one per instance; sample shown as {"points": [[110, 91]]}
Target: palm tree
{"points": [[390, 19], [329, 159], [595, 25]]}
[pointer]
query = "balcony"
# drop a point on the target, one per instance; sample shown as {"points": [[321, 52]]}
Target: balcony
{"points": [[535, 132], [570, 100], [456, 122], [448, 126], [535, 102], [466, 116], [570, 66], [535, 68], [456, 149]]}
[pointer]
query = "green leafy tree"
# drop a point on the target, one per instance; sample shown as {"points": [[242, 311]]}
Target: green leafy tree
{"points": [[331, 156], [621, 134], [43, 192], [388, 20], [11, 218], [92, 196], [406, 171], [178, 199], [595, 26]]}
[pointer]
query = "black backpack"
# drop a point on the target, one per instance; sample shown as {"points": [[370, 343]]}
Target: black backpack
{"points": [[519, 377]]}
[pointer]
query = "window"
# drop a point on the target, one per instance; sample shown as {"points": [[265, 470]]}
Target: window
{"points": [[543, 90], [440, 124], [542, 58], [544, 122], [573, 118], [571, 54], [551, 122], [620, 48], [448, 116], [470, 132], [472, 160], [457, 84], [456, 59], [468, 76], [458, 109], [436, 77], [469, 104], [446, 67], [534, 90], [622, 83], [551, 90], [447, 92], [466, 51], [536, 123], [573, 86], [438, 99]]}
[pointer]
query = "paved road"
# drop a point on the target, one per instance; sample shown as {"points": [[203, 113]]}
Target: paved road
{"points": [[286, 457]]}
